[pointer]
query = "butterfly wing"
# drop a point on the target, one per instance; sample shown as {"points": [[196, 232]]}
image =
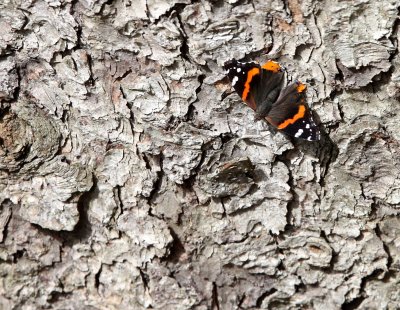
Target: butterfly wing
{"points": [[258, 86], [243, 76], [270, 86], [291, 114]]}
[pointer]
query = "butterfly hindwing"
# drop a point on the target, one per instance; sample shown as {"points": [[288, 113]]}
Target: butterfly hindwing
{"points": [[291, 114]]}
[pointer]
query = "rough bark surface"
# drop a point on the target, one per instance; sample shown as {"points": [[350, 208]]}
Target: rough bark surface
{"points": [[132, 177]]}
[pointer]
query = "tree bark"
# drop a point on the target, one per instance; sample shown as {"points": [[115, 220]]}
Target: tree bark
{"points": [[132, 176]]}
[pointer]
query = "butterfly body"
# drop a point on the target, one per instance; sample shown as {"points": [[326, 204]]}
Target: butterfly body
{"points": [[262, 89]]}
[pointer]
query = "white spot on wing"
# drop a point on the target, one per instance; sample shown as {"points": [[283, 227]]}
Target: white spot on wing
{"points": [[238, 69], [298, 133], [234, 80], [308, 126]]}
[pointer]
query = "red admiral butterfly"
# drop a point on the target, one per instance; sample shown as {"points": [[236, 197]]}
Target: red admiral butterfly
{"points": [[261, 88]]}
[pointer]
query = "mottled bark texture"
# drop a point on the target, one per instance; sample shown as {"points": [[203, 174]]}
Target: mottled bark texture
{"points": [[132, 177]]}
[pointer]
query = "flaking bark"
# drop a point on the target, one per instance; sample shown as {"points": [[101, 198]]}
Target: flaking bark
{"points": [[132, 177]]}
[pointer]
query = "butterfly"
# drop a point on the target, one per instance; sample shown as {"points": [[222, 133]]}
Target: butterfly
{"points": [[262, 89]]}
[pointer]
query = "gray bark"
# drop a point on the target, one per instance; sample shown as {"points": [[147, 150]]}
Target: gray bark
{"points": [[132, 177]]}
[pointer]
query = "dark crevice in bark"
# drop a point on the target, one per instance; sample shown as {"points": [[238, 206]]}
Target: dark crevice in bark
{"points": [[64, 117], [17, 90], [219, 3], [72, 6], [189, 182], [83, 229], [214, 298], [381, 80], [145, 278], [191, 109], [24, 153], [281, 266], [200, 78], [363, 191], [78, 37], [286, 7], [176, 250], [158, 182], [118, 200], [251, 56], [354, 303], [6, 203], [226, 138], [241, 300], [90, 81], [241, 240], [57, 296], [340, 75], [177, 9], [97, 277], [341, 113], [181, 215], [69, 51], [248, 209], [146, 161], [4, 112], [224, 214], [376, 205], [360, 237], [294, 202], [393, 39], [17, 255], [184, 49], [124, 75], [291, 206], [103, 6], [226, 93], [299, 51], [332, 96], [131, 113], [385, 247], [328, 156], [334, 257], [267, 293], [300, 288]]}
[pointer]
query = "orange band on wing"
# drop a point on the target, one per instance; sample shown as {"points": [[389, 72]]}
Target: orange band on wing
{"points": [[300, 114], [301, 87], [271, 66], [250, 76]]}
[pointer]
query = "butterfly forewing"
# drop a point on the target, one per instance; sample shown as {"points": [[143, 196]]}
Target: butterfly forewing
{"points": [[245, 79]]}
